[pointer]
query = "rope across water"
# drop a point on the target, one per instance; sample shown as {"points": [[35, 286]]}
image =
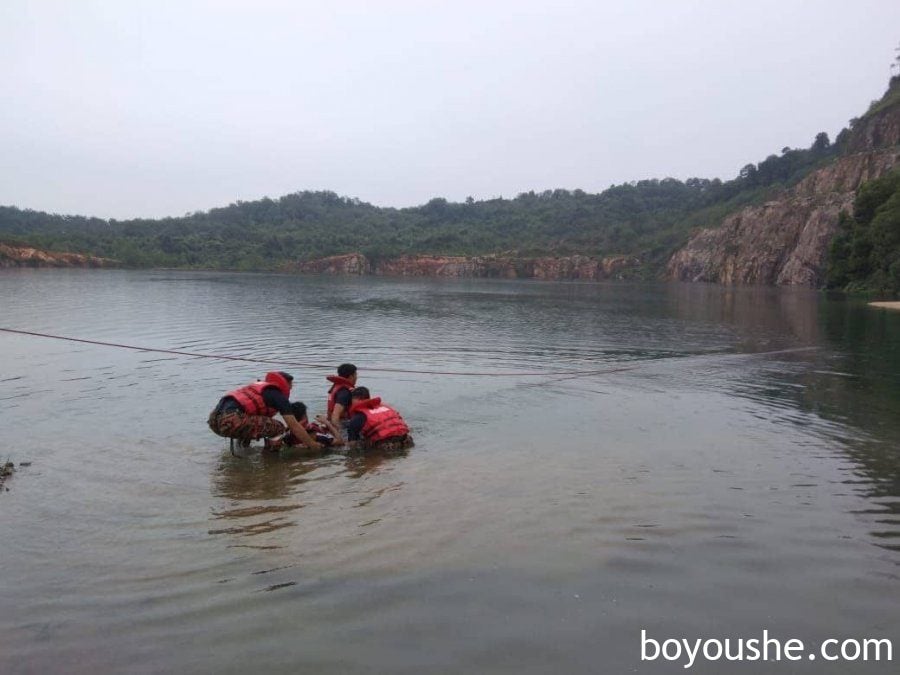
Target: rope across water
{"points": [[329, 366], [322, 366]]}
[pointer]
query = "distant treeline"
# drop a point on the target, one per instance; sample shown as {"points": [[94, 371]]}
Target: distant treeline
{"points": [[865, 256], [649, 218]]}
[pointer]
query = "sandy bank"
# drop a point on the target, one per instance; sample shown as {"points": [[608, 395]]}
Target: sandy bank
{"points": [[886, 305]]}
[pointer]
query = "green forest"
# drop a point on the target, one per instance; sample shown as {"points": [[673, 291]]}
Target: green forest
{"points": [[865, 256], [648, 218]]}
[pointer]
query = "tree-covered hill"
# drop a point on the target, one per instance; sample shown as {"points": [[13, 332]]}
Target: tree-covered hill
{"points": [[865, 256], [648, 218]]}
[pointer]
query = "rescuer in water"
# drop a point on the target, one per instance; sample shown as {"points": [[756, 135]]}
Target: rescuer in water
{"points": [[342, 386], [247, 413], [377, 424]]}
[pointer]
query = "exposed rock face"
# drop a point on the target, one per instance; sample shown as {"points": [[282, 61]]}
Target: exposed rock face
{"points": [[446, 266], [575, 267], [12, 255], [785, 242], [583, 268], [782, 242], [350, 264], [880, 129]]}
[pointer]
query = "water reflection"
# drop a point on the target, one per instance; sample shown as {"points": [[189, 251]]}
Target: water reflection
{"points": [[867, 346], [846, 392], [725, 468], [358, 464], [757, 315], [266, 490]]}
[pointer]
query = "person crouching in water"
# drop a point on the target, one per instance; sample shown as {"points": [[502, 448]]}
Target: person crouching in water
{"points": [[379, 426], [342, 386], [322, 430], [247, 413]]}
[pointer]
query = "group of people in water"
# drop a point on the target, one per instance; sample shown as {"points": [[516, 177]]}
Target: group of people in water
{"points": [[248, 413]]}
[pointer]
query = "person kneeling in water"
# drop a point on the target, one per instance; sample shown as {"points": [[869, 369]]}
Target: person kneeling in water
{"points": [[247, 413], [324, 433], [379, 425]]}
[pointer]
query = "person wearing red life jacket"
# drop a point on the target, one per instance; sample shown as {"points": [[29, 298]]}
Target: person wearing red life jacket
{"points": [[247, 413], [342, 386], [378, 425]]}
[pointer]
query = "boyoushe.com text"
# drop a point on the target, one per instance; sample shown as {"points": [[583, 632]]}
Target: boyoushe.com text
{"points": [[763, 648]]}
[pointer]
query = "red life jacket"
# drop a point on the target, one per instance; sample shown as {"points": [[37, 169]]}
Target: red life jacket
{"points": [[338, 383], [250, 397], [382, 421]]}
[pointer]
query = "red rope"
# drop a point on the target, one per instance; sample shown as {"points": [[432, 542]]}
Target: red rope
{"points": [[317, 365]]}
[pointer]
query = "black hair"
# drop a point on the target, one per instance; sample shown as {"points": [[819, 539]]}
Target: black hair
{"points": [[361, 392], [298, 409], [346, 369], [287, 376]]}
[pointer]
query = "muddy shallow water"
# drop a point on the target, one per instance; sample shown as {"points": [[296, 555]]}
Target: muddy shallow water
{"points": [[732, 466]]}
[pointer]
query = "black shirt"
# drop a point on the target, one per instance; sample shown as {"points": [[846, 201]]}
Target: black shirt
{"points": [[355, 425], [343, 397], [275, 399]]}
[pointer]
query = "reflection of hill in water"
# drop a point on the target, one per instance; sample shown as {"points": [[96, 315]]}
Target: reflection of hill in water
{"points": [[848, 388], [388, 306], [866, 393], [759, 315]]}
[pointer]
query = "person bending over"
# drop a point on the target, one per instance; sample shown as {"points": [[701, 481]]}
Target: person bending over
{"points": [[248, 413], [377, 424], [342, 386]]}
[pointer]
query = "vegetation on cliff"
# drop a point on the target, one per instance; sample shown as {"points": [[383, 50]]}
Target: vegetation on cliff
{"points": [[648, 218], [865, 256]]}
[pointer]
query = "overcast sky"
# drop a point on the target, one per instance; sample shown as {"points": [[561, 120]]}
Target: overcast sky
{"points": [[124, 109]]}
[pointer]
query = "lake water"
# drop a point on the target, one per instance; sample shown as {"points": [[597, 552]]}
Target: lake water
{"points": [[732, 466]]}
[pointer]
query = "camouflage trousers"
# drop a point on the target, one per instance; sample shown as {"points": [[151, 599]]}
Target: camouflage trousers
{"points": [[244, 427], [396, 444]]}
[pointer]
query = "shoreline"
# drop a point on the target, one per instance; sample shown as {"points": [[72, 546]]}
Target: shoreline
{"points": [[886, 305]]}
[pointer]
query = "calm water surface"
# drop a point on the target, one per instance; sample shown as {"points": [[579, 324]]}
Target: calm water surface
{"points": [[734, 467]]}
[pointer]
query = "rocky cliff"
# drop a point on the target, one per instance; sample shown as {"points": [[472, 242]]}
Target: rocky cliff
{"points": [[575, 267], [880, 127], [13, 255], [786, 241]]}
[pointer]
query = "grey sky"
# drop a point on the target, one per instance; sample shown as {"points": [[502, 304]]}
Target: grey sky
{"points": [[121, 109]]}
